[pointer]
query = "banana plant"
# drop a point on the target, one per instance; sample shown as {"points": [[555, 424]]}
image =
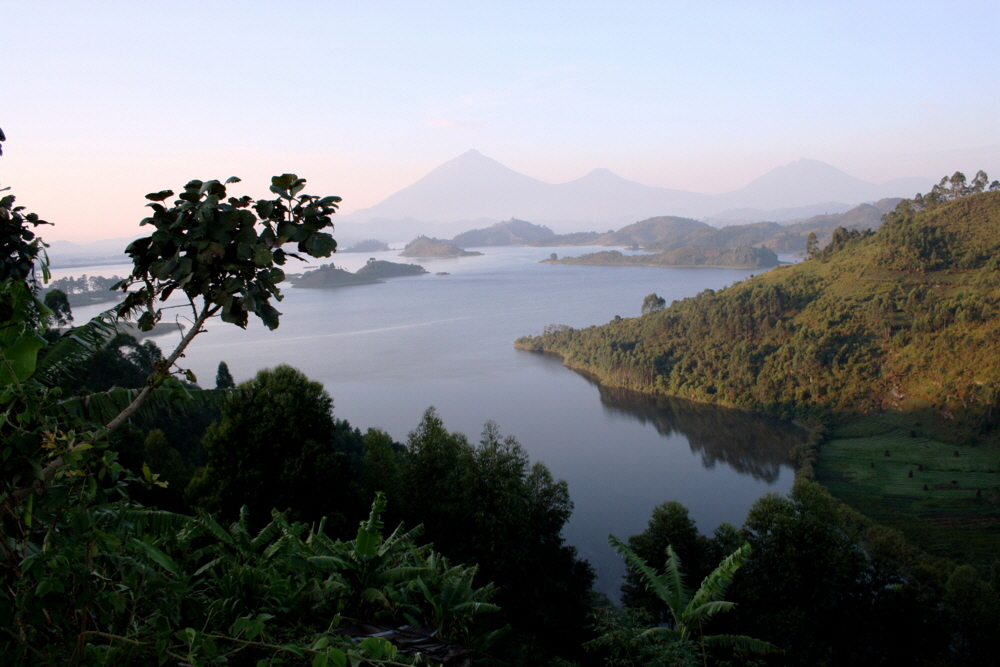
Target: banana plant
{"points": [[449, 602], [690, 611]]}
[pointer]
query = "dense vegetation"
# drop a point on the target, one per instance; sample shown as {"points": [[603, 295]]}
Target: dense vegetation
{"points": [[886, 344], [743, 257], [90, 575]]}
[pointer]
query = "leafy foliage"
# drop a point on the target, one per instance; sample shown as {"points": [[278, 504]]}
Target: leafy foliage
{"points": [[487, 504], [209, 247], [274, 447]]}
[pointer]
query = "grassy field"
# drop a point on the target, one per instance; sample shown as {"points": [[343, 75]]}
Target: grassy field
{"points": [[945, 498]]}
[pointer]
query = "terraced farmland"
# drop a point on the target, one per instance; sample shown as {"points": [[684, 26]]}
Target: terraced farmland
{"points": [[946, 498]]}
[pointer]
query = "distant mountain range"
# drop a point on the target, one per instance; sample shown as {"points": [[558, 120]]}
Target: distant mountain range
{"points": [[473, 187]]}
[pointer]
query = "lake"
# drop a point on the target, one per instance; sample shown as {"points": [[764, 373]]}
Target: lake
{"points": [[387, 352]]}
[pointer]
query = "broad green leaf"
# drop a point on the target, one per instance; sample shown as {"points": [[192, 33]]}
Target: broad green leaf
{"points": [[156, 555], [19, 359]]}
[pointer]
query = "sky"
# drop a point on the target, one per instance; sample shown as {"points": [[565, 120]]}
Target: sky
{"points": [[105, 101]]}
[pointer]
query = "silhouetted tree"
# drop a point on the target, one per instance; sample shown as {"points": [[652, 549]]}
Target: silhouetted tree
{"points": [[223, 378], [58, 303], [653, 303]]}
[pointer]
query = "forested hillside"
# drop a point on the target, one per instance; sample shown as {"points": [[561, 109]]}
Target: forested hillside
{"points": [[743, 257], [905, 319]]}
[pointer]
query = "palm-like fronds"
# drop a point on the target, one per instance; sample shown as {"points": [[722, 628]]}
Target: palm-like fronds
{"points": [[57, 360], [691, 611]]}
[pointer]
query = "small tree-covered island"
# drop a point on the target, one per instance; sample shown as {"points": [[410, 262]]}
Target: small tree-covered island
{"points": [[423, 246], [148, 521]]}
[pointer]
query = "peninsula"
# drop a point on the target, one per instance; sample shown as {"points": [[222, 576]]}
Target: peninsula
{"points": [[744, 257]]}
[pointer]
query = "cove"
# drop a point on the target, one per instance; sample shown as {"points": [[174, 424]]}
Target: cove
{"points": [[389, 351]]}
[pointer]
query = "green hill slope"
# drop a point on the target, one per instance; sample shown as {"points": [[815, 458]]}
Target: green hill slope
{"points": [[892, 339], [903, 320]]}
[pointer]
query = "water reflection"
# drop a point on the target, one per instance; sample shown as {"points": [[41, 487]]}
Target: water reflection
{"points": [[748, 443]]}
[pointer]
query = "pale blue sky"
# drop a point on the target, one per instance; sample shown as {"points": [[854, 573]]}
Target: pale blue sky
{"points": [[105, 101]]}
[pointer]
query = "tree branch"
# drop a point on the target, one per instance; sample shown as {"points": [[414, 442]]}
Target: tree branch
{"points": [[49, 471]]}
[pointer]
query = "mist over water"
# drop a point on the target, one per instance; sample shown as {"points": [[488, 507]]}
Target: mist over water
{"points": [[387, 352]]}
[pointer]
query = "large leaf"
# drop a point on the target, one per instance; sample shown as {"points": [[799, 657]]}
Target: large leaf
{"points": [[19, 358], [674, 598]]}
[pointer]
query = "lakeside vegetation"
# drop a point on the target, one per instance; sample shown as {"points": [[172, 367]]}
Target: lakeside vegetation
{"points": [[885, 343]]}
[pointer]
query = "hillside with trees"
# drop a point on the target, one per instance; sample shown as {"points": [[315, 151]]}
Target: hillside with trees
{"points": [[904, 319], [509, 232], [888, 339], [742, 257]]}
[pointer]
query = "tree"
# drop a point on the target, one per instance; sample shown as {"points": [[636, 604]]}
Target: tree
{"points": [[223, 378], [57, 301], [489, 505], [979, 182], [273, 448], [122, 362], [812, 245], [208, 248], [653, 303], [815, 588], [690, 612], [669, 526]]}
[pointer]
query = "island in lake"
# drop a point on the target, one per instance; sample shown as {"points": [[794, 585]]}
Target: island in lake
{"points": [[423, 246], [375, 271], [368, 245], [744, 257]]}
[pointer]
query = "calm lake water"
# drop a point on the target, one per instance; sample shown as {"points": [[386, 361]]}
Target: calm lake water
{"points": [[387, 352]]}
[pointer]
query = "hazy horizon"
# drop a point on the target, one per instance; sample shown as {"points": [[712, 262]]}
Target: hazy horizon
{"points": [[106, 102]]}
